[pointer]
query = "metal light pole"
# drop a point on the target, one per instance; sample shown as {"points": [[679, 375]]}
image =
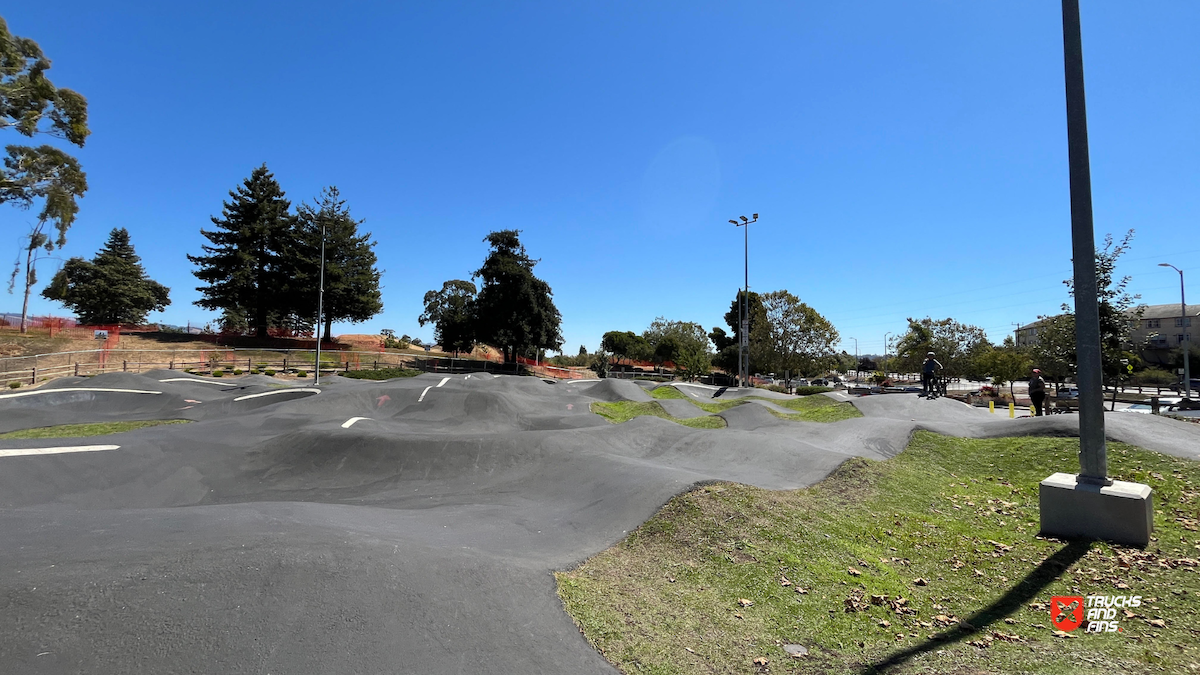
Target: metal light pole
{"points": [[1093, 453], [744, 347], [855, 359], [320, 310], [886, 345], [1187, 357]]}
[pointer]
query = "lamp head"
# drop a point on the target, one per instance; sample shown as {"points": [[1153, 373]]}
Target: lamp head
{"points": [[734, 222], [744, 219], [756, 216], [1165, 265]]}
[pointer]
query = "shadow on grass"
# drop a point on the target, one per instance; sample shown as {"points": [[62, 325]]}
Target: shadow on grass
{"points": [[1028, 589]]}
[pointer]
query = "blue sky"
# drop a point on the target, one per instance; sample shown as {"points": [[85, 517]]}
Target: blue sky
{"points": [[907, 159]]}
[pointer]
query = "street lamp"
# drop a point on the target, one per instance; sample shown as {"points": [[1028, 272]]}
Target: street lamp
{"points": [[1187, 357], [886, 344], [855, 359], [744, 347], [320, 310]]}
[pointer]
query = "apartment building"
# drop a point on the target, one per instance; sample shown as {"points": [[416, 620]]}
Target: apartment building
{"points": [[1161, 327]]}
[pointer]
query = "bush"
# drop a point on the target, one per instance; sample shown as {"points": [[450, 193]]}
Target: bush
{"points": [[1154, 376], [381, 374], [237, 371], [218, 373], [301, 373], [809, 391], [14, 385], [269, 373]]}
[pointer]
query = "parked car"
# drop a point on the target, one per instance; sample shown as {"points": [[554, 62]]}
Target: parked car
{"points": [[820, 382], [1068, 392], [800, 383]]}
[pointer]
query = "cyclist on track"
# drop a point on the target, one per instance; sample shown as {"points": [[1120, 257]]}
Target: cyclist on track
{"points": [[929, 375]]}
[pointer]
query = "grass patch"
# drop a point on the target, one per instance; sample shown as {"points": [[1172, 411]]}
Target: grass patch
{"points": [[381, 374], [927, 563], [97, 429], [816, 409], [666, 392], [807, 408], [623, 411]]}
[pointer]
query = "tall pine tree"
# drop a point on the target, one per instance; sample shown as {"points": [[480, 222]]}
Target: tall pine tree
{"points": [[111, 289], [514, 309], [351, 280], [245, 269]]}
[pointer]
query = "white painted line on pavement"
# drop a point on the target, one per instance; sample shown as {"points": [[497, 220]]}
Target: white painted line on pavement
{"points": [[51, 391], [19, 452], [192, 379], [444, 381], [350, 422], [422, 398], [278, 391]]}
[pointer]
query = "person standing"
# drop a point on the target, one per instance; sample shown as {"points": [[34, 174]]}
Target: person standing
{"points": [[1037, 392], [929, 375]]}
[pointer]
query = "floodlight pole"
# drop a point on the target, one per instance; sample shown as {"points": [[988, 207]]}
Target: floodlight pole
{"points": [[1093, 453], [1187, 357], [320, 310], [744, 346]]}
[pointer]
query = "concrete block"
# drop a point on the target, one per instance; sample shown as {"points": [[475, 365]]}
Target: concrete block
{"points": [[1122, 512]]}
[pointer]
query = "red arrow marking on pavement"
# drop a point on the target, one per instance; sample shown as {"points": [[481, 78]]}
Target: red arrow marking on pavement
{"points": [[570, 406], [381, 399]]}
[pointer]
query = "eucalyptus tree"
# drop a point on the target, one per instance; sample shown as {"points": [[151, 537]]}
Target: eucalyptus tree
{"points": [[31, 105]]}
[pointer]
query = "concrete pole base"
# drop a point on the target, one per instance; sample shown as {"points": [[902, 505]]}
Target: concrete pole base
{"points": [[1122, 512]]}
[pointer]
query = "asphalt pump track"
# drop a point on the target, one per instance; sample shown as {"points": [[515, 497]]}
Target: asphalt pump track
{"points": [[407, 526]]}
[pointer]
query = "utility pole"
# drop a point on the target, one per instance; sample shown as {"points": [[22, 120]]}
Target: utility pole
{"points": [[744, 346], [1017, 334]]}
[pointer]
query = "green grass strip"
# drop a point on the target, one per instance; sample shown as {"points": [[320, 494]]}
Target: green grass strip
{"points": [[97, 429], [623, 411], [929, 562], [666, 391]]}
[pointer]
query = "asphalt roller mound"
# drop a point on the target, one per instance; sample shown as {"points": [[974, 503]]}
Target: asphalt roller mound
{"points": [[408, 525]]}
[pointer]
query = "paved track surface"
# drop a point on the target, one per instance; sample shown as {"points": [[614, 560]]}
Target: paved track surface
{"points": [[408, 526]]}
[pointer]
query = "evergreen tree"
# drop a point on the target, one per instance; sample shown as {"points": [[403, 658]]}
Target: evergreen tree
{"points": [[452, 313], [729, 346], [244, 268], [515, 310], [111, 289], [351, 280]]}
